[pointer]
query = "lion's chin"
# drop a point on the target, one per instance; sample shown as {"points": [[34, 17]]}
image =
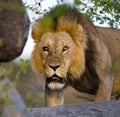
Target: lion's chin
{"points": [[55, 82], [55, 86]]}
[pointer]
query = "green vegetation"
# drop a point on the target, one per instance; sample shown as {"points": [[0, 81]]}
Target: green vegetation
{"points": [[12, 6], [0, 41], [20, 73], [101, 11]]}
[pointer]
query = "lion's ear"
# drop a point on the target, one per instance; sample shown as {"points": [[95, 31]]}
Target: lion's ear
{"points": [[36, 32], [80, 36]]}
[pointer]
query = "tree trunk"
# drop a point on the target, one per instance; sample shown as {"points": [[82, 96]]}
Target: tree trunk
{"points": [[14, 28]]}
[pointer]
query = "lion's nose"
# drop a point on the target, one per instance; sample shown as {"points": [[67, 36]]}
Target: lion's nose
{"points": [[54, 67]]}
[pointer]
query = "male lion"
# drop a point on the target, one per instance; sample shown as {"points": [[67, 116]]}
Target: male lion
{"points": [[70, 50]]}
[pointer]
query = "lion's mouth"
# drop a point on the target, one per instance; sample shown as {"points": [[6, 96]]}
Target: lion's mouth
{"points": [[55, 78]]}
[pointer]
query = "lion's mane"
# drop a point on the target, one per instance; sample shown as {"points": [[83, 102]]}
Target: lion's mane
{"points": [[68, 23]]}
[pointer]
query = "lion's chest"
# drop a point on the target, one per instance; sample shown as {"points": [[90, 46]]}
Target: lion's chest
{"points": [[86, 84]]}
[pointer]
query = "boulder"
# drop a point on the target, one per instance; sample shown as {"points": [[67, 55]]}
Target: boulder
{"points": [[91, 109], [14, 28]]}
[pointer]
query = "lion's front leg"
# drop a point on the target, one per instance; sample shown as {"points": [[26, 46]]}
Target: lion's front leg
{"points": [[103, 65], [53, 97], [105, 88]]}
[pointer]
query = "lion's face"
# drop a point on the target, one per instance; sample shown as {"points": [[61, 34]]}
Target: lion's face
{"points": [[56, 50], [58, 57]]}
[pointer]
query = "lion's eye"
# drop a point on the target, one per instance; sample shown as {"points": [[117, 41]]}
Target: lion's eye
{"points": [[45, 49], [65, 48]]}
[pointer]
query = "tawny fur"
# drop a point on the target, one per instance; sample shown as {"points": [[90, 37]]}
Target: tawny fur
{"points": [[91, 62]]}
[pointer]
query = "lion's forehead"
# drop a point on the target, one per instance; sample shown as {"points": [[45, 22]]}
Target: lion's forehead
{"points": [[56, 39]]}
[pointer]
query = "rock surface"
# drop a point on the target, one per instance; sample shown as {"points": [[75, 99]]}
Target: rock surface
{"points": [[16, 108], [14, 28], [92, 109], [89, 109]]}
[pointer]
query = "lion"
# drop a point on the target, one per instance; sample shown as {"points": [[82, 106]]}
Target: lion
{"points": [[70, 51]]}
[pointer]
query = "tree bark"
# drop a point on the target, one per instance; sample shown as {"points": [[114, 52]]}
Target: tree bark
{"points": [[14, 28]]}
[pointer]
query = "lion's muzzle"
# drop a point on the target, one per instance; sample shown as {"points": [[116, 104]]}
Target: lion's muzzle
{"points": [[55, 78], [55, 82]]}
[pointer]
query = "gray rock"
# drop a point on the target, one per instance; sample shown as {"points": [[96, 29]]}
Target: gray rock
{"points": [[14, 27], [17, 107], [92, 109]]}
